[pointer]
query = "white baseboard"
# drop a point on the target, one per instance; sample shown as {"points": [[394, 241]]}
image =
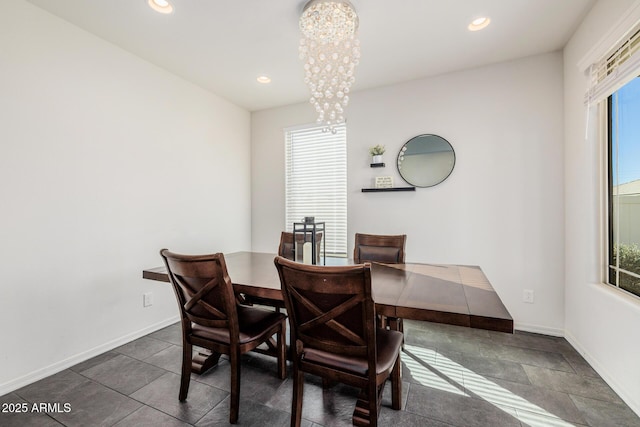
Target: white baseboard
{"points": [[54, 368], [632, 401], [527, 327]]}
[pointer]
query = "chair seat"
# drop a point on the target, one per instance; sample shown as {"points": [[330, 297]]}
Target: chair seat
{"points": [[253, 322], [388, 344]]}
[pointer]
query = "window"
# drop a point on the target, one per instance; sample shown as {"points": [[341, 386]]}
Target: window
{"points": [[316, 182], [624, 187], [615, 88]]}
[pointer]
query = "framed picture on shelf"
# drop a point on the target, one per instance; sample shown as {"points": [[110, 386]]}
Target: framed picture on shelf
{"points": [[384, 182]]}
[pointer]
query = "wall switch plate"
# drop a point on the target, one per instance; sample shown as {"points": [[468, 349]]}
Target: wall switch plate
{"points": [[147, 299], [527, 296]]}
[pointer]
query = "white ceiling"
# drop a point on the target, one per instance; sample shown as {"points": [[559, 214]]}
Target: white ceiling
{"points": [[224, 45]]}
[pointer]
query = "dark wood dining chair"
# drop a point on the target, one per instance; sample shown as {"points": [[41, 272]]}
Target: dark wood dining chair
{"points": [[286, 248], [334, 335], [387, 249], [212, 318]]}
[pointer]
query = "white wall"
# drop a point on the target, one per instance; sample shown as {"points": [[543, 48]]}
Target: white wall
{"points": [[501, 208], [104, 160], [267, 172], [601, 322]]}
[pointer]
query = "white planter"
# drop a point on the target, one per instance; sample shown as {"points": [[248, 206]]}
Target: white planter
{"points": [[376, 159]]}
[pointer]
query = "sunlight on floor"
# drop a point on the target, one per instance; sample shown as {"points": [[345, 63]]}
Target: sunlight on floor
{"points": [[432, 369], [420, 363]]}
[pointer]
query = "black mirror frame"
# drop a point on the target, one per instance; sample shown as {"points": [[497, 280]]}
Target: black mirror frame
{"points": [[421, 136]]}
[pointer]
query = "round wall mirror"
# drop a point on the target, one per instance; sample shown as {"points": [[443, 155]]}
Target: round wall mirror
{"points": [[426, 160]]}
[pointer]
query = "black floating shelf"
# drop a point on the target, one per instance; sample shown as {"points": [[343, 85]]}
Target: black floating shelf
{"points": [[377, 165], [377, 190]]}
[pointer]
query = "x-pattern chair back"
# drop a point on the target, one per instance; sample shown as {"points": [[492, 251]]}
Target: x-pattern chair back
{"points": [[331, 307], [355, 342], [204, 290], [213, 319], [334, 334]]}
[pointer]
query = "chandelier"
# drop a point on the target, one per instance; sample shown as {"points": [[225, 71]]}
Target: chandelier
{"points": [[330, 50]]}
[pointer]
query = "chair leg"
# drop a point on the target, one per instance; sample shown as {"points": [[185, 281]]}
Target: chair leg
{"points": [[381, 321], [328, 383], [296, 403], [395, 324], [373, 403], [282, 351], [396, 385], [234, 358], [185, 375]]}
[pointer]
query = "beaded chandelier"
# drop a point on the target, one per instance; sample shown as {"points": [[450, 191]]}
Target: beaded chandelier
{"points": [[330, 50]]}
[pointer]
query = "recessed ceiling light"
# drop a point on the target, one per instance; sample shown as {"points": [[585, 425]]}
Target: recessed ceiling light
{"points": [[264, 79], [162, 6], [479, 23]]}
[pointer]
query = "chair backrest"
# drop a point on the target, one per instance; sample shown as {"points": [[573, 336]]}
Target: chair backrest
{"points": [[379, 248], [203, 289], [330, 308], [286, 248]]}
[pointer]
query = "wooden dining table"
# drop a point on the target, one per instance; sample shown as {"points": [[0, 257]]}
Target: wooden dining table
{"points": [[443, 293], [453, 294]]}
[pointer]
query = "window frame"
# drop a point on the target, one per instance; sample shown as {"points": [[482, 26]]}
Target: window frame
{"points": [[611, 271], [333, 227]]}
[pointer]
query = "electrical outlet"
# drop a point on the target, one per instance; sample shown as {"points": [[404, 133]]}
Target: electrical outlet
{"points": [[147, 299], [527, 296]]}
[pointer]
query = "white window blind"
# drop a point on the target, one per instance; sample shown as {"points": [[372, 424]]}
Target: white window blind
{"points": [[316, 181], [616, 69]]}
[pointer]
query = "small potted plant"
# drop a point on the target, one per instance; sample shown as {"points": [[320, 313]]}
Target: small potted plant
{"points": [[376, 153]]}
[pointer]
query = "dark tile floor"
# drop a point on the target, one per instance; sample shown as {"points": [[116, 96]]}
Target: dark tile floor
{"points": [[452, 376]]}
